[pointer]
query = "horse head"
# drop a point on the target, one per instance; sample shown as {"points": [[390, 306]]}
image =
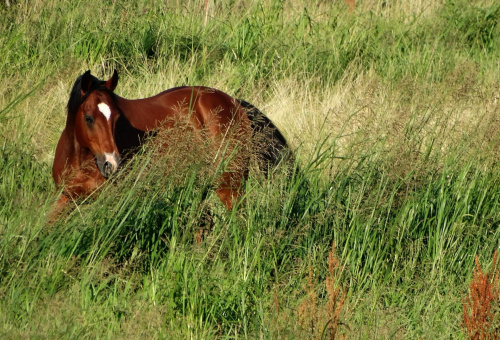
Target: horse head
{"points": [[95, 121]]}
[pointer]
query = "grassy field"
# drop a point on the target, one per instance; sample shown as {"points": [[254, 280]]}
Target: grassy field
{"points": [[393, 111]]}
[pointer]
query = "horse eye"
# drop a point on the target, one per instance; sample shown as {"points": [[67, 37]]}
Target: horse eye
{"points": [[89, 119]]}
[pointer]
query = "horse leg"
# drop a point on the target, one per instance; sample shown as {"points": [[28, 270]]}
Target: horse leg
{"points": [[230, 187]]}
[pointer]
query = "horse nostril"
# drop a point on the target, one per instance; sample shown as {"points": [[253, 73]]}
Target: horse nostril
{"points": [[108, 168]]}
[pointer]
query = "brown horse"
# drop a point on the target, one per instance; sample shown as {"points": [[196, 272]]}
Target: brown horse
{"points": [[101, 127]]}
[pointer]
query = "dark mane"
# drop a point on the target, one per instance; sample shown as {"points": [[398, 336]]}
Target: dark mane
{"points": [[76, 99]]}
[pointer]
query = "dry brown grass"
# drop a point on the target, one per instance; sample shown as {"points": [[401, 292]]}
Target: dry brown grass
{"points": [[315, 319], [336, 296], [481, 307], [408, 125]]}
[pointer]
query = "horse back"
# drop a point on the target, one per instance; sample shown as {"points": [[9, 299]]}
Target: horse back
{"points": [[201, 107]]}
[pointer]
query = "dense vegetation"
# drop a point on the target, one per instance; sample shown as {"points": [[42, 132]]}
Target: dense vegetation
{"points": [[391, 108]]}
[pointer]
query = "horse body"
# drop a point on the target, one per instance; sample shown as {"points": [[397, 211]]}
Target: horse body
{"points": [[102, 127], [212, 114]]}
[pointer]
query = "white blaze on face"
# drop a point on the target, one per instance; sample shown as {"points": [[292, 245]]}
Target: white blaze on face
{"points": [[105, 110]]}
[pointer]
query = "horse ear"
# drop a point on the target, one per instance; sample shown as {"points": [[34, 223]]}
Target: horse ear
{"points": [[86, 82], [112, 82]]}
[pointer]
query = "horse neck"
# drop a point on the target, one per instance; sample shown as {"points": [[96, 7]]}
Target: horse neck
{"points": [[143, 114]]}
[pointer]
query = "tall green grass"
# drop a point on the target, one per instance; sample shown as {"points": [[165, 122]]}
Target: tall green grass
{"points": [[391, 110]]}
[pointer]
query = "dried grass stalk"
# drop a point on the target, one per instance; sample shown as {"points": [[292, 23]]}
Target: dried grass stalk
{"points": [[481, 307]]}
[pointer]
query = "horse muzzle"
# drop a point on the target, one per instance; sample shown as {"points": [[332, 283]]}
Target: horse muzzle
{"points": [[108, 163]]}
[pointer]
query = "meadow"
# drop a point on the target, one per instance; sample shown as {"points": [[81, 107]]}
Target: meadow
{"points": [[391, 108]]}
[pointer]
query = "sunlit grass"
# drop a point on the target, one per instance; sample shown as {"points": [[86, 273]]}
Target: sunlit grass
{"points": [[391, 110]]}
